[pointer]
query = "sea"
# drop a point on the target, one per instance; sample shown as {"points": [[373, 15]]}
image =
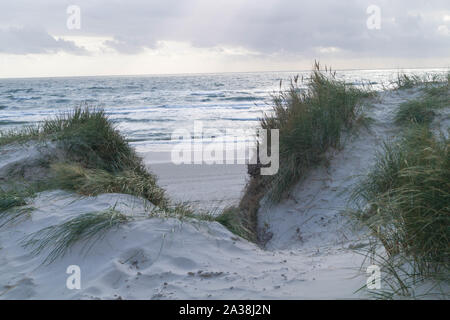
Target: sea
{"points": [[147, 110]]}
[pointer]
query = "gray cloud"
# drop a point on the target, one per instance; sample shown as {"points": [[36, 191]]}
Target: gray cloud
{"points": [[409, 28], [30, 40]]}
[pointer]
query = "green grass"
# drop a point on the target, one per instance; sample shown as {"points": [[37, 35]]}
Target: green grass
{"points": [[19, 136], [86, 135], [405, 81], [89, 138], [91, 158], [416, 112], [88, 227], [96, 157], [310, 122], [422, 110], [92, 182], [409, 81], [11, 198], [405, 201], [231, 220], [12, 204]]}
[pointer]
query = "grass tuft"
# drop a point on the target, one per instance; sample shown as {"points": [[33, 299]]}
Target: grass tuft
{"points": [[405, 201], [415, 112], [96, 157], [92, 182], [422, 110], [409, 81], [311, 116], [11, 198], [88, 227], [230, 219]]}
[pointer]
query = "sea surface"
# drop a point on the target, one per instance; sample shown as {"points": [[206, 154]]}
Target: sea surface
{"points": [[148, 109]]}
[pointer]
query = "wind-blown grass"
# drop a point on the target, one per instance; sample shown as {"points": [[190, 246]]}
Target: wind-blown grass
{"points": [[88, 227], [310, 119], [96, 157], [405, 81], [12, 204], [422, 110], [89, 137], [92, 182], [416, 111], [25, 134], [405, 202], [231, 220], [10, 199], [409, 81]]}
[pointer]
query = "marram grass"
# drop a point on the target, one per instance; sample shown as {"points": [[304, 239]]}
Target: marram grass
{"points": [[87, 228], [422, 110], [96, 158], [310, 116], [405, 203], [92, 182]]}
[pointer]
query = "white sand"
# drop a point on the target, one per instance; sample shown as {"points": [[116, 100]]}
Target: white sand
{"points": [[169, 259], [208, 187]]}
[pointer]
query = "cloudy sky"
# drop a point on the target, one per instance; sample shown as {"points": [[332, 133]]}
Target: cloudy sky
{"points": [[114, 37]]}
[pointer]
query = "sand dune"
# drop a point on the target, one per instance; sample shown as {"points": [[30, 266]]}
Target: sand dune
{"points": [[308, 251]]}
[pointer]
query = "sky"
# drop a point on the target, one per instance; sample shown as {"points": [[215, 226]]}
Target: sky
{"points": [[41, 38]]}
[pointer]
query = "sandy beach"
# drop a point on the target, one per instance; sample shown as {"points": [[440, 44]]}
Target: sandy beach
{"points": [[128, 242], [207, 187], [308, 254]]}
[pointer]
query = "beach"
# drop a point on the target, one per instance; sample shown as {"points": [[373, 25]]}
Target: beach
{"points": [[310, 248], [206, 187]]}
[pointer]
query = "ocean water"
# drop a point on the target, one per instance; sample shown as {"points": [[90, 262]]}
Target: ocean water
{"points": [[147, 109]]}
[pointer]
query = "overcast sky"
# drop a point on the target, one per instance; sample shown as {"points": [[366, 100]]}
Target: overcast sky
{"points": [[183, 36]]}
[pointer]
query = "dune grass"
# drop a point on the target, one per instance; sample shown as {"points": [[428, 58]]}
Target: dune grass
{"points": [[409, 81], [406, 203], [416, 111], [89, 138], [311, 116], [24, 134], [422, 110], [12, 205], [405, 199], [231, 220], [88, 227], [96, 157], [92, 182], [92, 158], [11, 198], [405, 81]]}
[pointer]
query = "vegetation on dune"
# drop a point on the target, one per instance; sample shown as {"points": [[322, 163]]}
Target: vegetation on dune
{"points": [[409, 81], [96, 158], [92, 182], [416, 111], [406, 203], [231, 219], [311, 116], [10, 199], [422, 110], [91, 158], [13, 205], [405, 199], [88, 227], [25, 134]]}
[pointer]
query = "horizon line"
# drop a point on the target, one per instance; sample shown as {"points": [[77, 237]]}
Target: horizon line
{"points": [[212, 73]]}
